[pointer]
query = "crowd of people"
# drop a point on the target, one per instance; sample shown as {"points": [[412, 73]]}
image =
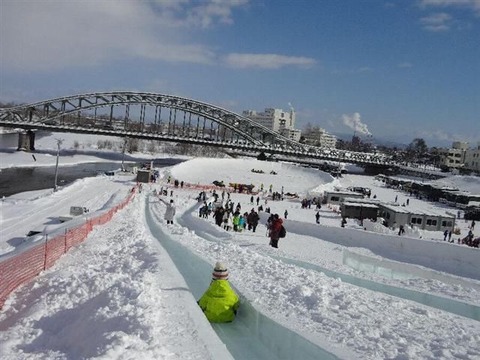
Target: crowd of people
{"points": [[307, 203], [230, 217]]}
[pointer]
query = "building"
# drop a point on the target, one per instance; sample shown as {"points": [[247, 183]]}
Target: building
{"points": [[277, 120], [395, 216], [472, 159], [337, 197], [359, 210], [319, 137], [454, 157], [292, 134], [144, 176]]}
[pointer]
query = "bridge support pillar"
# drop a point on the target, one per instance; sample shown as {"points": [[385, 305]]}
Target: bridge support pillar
{"points": [[26, 141]]}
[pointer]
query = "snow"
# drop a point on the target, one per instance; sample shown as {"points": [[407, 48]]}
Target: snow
{"points": [[355, 293]]}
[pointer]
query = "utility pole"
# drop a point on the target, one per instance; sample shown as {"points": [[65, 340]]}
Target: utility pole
{"points": [[59, 142], [123, 152]]}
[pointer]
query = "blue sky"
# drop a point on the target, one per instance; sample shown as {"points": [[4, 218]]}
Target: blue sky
{"points": [[395, 69]]}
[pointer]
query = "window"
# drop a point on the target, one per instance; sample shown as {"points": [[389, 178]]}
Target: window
{"points": [[335, 198], [446, 223], [431, 222], [416, 220]]}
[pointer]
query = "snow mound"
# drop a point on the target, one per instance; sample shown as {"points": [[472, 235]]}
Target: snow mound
{"points": [[292, 178]]}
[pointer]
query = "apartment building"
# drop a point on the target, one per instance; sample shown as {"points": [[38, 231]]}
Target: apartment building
{"points": [[319, 137], [277, 120], [454, 157], [472, 158]]}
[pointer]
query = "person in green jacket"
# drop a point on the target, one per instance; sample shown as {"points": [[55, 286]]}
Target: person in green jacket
{"points": [[220, 302]]}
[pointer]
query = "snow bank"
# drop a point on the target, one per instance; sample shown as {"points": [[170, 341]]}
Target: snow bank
{"points": [[292, 178]]}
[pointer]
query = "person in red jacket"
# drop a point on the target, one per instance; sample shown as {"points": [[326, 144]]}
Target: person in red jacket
{"points": [[275, 228]]}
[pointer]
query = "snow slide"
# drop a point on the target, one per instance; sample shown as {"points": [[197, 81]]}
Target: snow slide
{"points": [[252, 335]]}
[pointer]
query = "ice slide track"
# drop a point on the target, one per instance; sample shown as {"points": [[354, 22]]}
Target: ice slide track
{"points": [[452, 306], [252, 335]]}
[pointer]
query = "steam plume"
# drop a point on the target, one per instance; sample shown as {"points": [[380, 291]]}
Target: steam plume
{"points": [[354, 122]]}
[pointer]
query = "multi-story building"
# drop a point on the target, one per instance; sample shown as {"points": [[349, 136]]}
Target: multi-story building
{"points": [[472, 158], [292, 134], [277, 120], [455, 156], [319, 137]]}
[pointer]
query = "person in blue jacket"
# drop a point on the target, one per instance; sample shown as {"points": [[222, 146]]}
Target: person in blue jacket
{"points": [[220, 302]]}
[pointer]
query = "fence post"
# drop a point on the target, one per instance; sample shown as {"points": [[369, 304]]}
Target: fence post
{"points": [[45, 251]]}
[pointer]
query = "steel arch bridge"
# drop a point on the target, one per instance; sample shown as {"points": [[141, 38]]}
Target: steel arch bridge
{"points": [[165, 118]]}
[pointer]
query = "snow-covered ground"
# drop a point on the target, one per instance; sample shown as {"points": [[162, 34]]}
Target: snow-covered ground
{"points": [[121, 295]]}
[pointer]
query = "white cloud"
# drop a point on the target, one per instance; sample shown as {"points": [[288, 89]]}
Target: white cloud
{"points": [[266, 61], [360, 70], [48, 35], [442, 21], [365, 69], [436, 22], [467, 4], [206, 13], [354, 122], [405, 65]]}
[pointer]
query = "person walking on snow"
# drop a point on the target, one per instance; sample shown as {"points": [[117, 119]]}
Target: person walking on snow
{"points": [[169, 212], [236, 220], [227, 219], [275, 228], [252, 220], [317, 217], [219, 303], [285, 214]]}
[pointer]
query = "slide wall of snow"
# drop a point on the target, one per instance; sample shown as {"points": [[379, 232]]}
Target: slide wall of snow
{"points": [[397, 270], [22, 266], [455, 259], [393, 270]]}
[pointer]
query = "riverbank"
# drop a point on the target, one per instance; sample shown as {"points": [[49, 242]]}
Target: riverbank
{"points": [[80, 156]]}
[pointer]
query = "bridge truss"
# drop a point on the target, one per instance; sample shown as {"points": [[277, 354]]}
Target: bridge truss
{"points": [[164, 118]]}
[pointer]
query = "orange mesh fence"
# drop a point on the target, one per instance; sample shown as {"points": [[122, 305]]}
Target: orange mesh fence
{"points": [[54, 248], [76, 235], [24, 266], [20, 269]]}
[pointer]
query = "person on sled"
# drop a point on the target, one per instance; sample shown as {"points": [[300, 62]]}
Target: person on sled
{"points": [[219, 303]]}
